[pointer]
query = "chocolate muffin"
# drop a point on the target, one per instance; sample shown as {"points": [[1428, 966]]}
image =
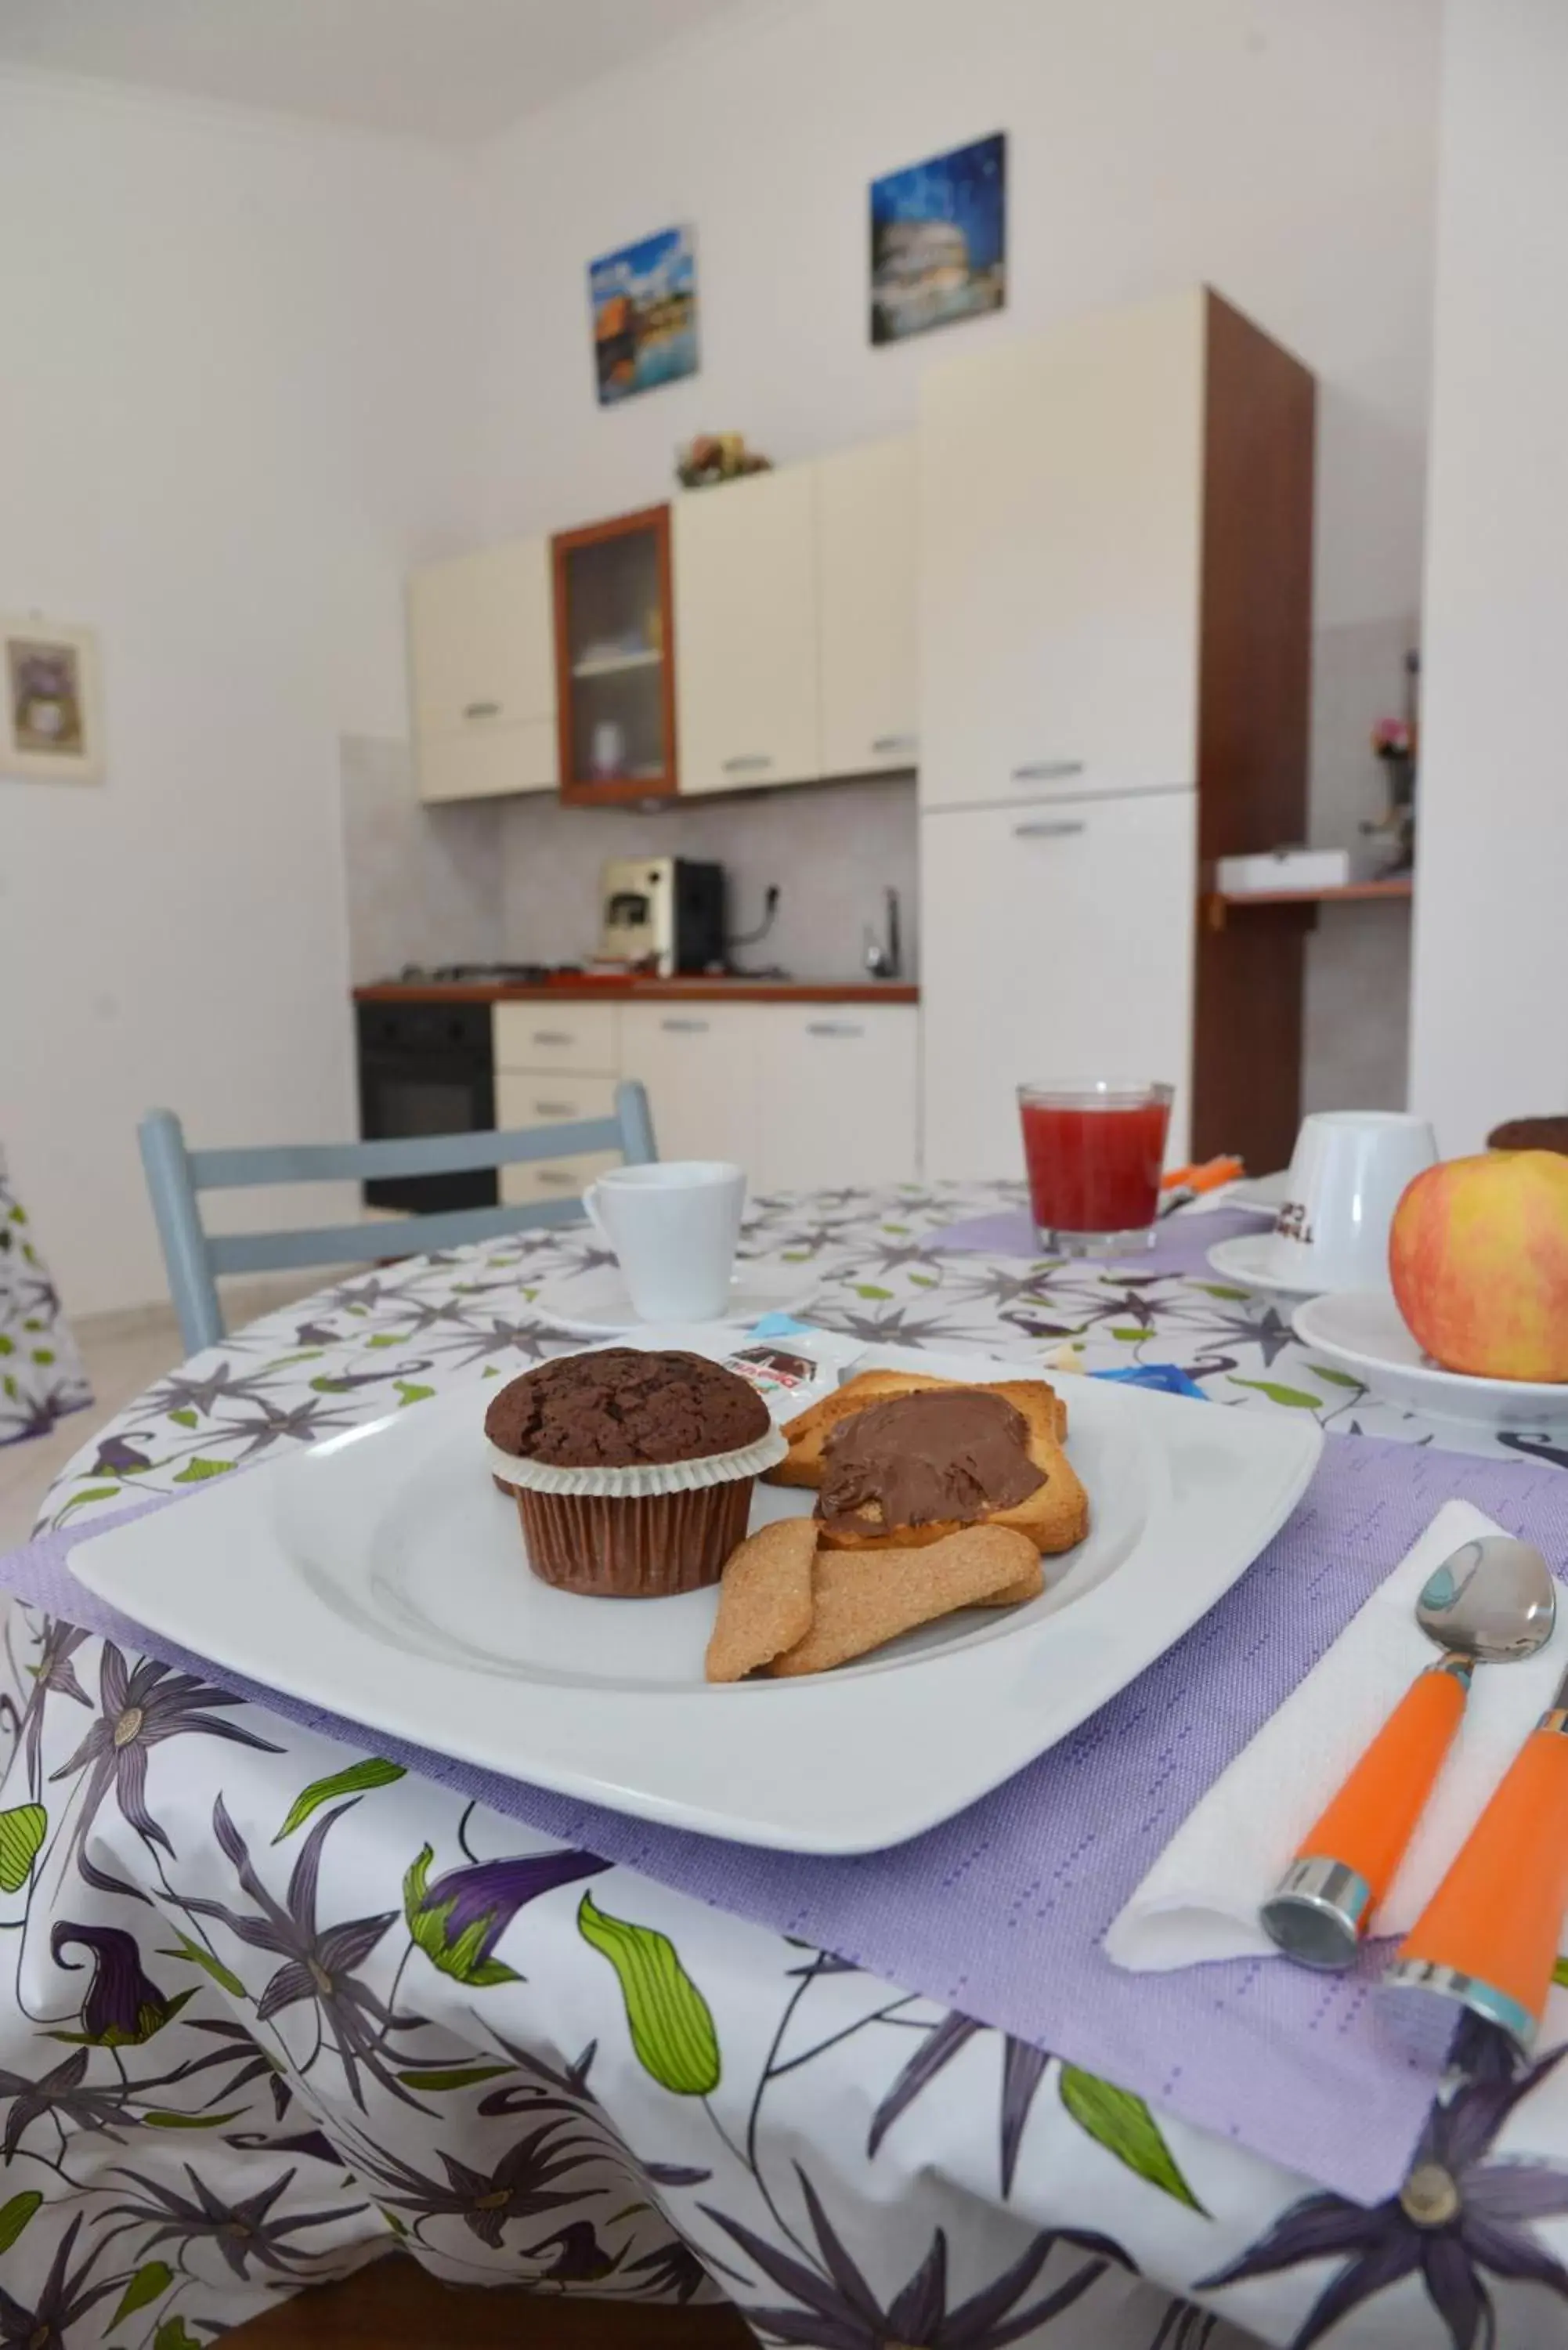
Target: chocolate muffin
{"points": [[632, 1470]]}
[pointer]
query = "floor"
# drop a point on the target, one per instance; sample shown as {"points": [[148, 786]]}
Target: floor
{"points": [[396, 2306]]}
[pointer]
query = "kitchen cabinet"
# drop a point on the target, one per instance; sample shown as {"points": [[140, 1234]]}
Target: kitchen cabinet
{"points": [[482, 664], [1057, 940], [1115, 644], [548, 1039], [698, 1062], [614, 670], [1060, 522], [866, 574], [837, 1099], [745, 563]]}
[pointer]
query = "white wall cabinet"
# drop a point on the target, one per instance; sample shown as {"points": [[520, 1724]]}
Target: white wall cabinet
{"points": [[482, 660], [1060, 521], [1055, 941], [866, 540], [743, 557]]}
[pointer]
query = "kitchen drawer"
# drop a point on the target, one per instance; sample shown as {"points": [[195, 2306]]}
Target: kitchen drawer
{"points": [[839, 1097], [540, 1038], [553, 1179], [523, 1098], [489, 761]]}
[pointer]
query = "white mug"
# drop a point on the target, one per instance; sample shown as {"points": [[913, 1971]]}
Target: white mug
{"points": [[673, 1225], [1348, 1172]]}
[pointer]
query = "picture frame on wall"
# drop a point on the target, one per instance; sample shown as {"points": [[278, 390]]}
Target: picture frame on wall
{"points": [[939, 240], [643, 301], [51, 704]]}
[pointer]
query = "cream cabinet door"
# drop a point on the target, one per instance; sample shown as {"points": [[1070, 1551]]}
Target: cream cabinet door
{"points": [[837, 1095], [744, 561], [1060, 521], [866, 583], [1055, 941], [482, 658], [699, 1064]]}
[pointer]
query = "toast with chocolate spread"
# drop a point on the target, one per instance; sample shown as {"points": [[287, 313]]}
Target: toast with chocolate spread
{"points": [[900, 1459]]}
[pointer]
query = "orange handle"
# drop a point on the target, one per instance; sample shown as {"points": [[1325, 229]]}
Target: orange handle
{"points": [[1372, 1819], [1498, 1914]]}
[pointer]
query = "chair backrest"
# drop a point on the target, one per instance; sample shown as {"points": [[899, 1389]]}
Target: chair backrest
{"points": [[177, 1176]]}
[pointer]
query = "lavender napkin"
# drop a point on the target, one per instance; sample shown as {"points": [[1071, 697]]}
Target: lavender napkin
{"points": [[1001, 1912]]}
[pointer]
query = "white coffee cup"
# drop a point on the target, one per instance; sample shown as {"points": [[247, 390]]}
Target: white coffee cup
{"points": [[673, 1226], [1348, 1172]]}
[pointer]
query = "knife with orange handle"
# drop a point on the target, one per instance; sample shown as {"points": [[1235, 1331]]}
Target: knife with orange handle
{"points": [[1492, 1599], [1489, 1937]]}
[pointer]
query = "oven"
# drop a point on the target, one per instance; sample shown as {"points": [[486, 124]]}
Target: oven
{"points": [[427, 1068]]}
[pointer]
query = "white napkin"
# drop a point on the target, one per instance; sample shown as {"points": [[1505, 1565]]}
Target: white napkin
{"points": [[1200, 1899]]}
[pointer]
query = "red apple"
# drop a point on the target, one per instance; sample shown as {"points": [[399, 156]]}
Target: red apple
{"points": [[1479, 1258]]}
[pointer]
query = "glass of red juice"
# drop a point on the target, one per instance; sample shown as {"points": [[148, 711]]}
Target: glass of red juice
{"points": [[1094, 1148]]}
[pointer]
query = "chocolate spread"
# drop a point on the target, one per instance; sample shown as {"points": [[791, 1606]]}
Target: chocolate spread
{"points": [[943, 1452]]}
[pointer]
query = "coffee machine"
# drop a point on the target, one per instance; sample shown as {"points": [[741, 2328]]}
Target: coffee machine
{"points": [[664, 914]]}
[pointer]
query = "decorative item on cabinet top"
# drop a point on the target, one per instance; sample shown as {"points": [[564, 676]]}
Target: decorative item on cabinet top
{"points": [[717, 457]]}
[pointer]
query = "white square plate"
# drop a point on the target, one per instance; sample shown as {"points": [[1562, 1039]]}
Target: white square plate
{"points": [[381, 1574]]}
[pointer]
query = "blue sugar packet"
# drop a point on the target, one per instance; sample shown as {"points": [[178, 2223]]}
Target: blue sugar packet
{"points": [[1165, 1378]]}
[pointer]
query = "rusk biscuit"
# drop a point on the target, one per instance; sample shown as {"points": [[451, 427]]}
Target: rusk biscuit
{"points": [[765, 1599], [861, 1600]]}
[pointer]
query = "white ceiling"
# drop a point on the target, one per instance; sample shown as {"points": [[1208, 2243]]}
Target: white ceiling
{"points": [[449, 69]]}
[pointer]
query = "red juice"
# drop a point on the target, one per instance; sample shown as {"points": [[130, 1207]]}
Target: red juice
{"points": [[1093, 1169]]}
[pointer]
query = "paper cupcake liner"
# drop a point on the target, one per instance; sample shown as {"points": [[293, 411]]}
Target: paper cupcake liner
{"points": [[639, 1478], [646, 1547]]}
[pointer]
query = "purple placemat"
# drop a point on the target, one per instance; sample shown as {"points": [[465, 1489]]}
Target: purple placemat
{"points": [[1001, 1912], [1182, 1243]]}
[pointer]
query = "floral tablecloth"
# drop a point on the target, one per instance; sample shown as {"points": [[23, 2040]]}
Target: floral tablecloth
{"points": [[271, 2007], [41, 1376]]}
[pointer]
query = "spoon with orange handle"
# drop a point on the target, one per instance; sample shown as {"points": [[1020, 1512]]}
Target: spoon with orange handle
{"points": [[1491, 1600], [1489, 1937]]}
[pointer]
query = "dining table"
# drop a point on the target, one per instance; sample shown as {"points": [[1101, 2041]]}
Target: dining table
{"points": [[274, 2003]]}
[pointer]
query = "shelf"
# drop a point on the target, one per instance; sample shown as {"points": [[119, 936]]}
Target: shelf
{"points": [[1342, 891], [618, 664], [1218, 903]]}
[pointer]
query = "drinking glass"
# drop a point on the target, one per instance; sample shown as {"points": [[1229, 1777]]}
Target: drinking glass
{"points": [[1094, 1148]]}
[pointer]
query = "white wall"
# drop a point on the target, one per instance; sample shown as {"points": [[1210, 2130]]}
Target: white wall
{"points": [[230, 416], [1491, 1001], [1281, 150]]}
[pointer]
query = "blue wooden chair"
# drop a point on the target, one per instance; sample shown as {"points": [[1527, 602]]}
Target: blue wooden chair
{"points": [[175, 1176]]}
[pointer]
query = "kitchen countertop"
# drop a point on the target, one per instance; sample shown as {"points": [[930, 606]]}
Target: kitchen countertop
{"points": [[642, 991]]}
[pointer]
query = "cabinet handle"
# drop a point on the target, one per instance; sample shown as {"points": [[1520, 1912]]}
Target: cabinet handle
{"points": [[834, 1028], [896, 743], [1047, 771], [552, 1035], [560, 1177], [481, 710], [555, 1109], [685, 1027], [746, 762], [1050, 828]]}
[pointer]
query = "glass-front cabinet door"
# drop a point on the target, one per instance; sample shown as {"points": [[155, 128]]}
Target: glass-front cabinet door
{"points": [[616, 658]]}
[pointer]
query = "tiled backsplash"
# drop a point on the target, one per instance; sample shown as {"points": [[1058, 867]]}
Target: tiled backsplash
{"points": [[519, 879], [832, 849], [479, 880]]}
